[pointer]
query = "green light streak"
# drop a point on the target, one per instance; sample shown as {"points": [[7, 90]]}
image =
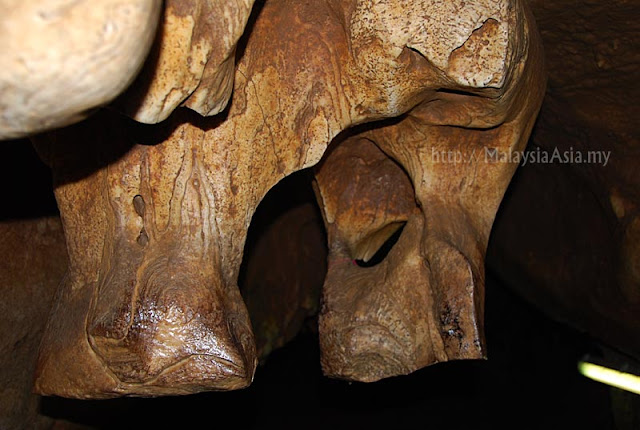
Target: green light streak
{"points": [[615, 378]]}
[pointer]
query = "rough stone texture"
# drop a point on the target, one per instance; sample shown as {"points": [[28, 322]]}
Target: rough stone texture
{"points": [[424, 302], [156, 217], [164, 310], [192, 62], [33, 264], [376, 321], [60, 59], [567, 237]]}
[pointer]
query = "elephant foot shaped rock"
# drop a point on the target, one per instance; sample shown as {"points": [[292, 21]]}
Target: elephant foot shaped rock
{"points": [[177, 325], [433, 179], [386, 315], [152, 314]]}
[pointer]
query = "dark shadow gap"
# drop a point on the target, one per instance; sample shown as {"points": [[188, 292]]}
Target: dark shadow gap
{"points": [[384, 250], [284, 263], [28, 187]]}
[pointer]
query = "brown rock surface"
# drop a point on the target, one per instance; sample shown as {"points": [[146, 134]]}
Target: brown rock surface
{"points": [[424, 303], [192, 62], [156, 217]]}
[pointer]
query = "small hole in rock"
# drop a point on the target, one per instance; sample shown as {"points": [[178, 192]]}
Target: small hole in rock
{"points": [[143, 239], [138, 205]]}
